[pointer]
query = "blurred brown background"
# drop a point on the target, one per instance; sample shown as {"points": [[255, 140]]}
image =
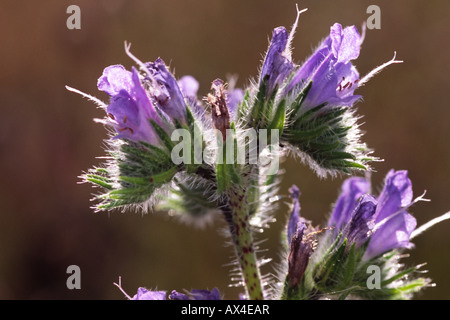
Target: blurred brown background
{"points": [[47, 136]]}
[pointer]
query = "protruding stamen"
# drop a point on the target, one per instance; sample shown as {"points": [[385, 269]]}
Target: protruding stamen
{"points": [[139, 62], [119, 285], [287, 51], [378, 69], [94, 99], [429, 224]]}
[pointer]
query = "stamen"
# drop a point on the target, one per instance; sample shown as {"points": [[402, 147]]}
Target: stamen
{"points": [[363, 33], [378, 69], [119, 285], [94, 99], [139, 62], [429, 224], [401, 210], [126, 128], [287, 51]]}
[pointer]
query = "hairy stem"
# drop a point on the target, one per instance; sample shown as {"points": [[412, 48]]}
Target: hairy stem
{"points": [[237, 216]]}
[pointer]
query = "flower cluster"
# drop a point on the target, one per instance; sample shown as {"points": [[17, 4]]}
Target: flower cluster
{"points": [[307, 110], [363, 230]]}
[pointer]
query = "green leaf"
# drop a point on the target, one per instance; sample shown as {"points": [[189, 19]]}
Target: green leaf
{"points": [[99, 182], [300, 98]]}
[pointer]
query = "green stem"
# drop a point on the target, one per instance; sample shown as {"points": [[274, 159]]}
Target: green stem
{"points": [[237, 217]]}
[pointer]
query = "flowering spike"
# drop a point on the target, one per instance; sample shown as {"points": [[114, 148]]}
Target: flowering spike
{"points": [[310, 109]]}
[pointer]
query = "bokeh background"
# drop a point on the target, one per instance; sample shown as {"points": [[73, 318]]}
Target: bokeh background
{"points": [[47, 136]]}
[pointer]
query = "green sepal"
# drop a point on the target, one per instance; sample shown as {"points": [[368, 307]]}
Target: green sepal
{"points": [[227, 173], [278, 118], [191, 198], [259, 104], [162, 135], [299, 100]]}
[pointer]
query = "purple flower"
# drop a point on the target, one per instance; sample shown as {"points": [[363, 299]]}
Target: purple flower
{"points": [[334, 78], [385, 219], [144, 294], [301, 241], [196, 294], [189, 87], [393, 224], [130, 108], [277, 64]]}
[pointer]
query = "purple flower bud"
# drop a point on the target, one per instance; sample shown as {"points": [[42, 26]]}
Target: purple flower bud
{"points": [[294, 220], [165, 92], [351, 191], [360, 227], [329, 68], [144, 294], [188, 86], [301, 249], [174, 295], [277, 64]]}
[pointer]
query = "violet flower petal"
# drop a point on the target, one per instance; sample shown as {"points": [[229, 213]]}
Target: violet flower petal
{"points": [[166, 92], [397, 193], [144, 294], [277, 66], [329, 68], [352, 189]]}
